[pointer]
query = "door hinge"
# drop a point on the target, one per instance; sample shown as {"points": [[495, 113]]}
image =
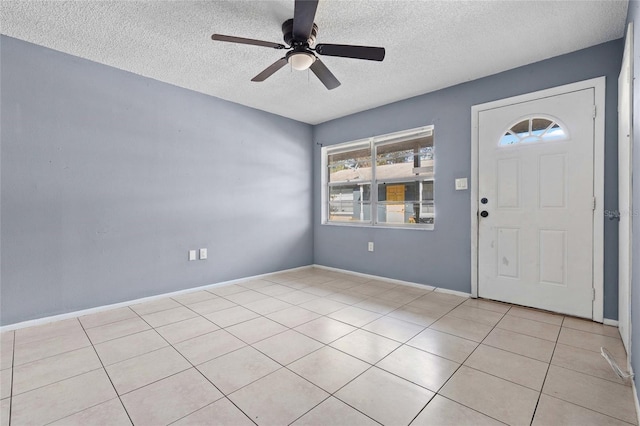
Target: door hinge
{"points": [[595, 111], [593, 294], [594, 203]]}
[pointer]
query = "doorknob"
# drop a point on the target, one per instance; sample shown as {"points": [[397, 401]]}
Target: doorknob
{"points": [[484, 213]]}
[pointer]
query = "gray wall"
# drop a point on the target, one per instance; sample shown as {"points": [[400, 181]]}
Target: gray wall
{"points": [[108, 178], [442, 257], [633, 15]]}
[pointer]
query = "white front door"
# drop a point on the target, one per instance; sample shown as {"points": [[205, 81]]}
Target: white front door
{"points": [[536, 203]]}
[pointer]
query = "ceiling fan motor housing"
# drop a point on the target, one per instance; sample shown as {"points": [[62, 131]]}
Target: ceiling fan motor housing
{"points": [[287, 30]]}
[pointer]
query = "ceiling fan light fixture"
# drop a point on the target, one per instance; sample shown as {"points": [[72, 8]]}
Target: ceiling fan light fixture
{"points": [[301, 61]]}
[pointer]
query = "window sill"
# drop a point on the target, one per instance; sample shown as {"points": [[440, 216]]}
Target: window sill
{"points": [[426, 227]]}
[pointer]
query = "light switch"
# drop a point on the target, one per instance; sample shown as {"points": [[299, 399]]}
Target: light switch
{"points": [[203, 253], [370, 246], [461, 184], [192, 255]]}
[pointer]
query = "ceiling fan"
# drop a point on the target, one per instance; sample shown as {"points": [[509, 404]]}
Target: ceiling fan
{"points": [[300, 36]]}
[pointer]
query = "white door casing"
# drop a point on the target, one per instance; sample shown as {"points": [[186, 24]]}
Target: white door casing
{"points": [[625, 205], [539, 245]]}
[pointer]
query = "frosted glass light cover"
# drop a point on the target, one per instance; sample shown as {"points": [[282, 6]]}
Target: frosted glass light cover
{"points": [[301, 61]]}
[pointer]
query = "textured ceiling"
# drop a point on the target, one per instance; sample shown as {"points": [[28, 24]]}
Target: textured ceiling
{"points": [[430, 44]]}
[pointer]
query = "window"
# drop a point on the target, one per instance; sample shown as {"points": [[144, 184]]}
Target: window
{"points": [[382, 181], [533, 129]]}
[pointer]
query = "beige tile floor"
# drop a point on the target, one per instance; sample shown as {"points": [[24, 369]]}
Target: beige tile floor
{"points": [[314, 347]]}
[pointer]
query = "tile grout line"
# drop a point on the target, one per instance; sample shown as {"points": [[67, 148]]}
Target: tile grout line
{"points": [[371, 366], [106, 374], [171, 345], [459, 403], [282, 366], [112, 323], [374, 365], [460, 366], [516, 353], [584, 372], [582, 406], [401, 343], [480, 343], [326, 297], [58, 354], [60, 380], [591, 409], [170, 375], [47, 357], [556, 342], [333, 394], [155, 350], [66, 378], [224, 396], [102, 364], [555, 345], [109, 321], [13, 361]]}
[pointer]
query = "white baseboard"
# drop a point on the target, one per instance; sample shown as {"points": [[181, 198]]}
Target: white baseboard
{"points": [[394, 281], [75, 314], [375, 277], [454, 292], [606, 321]]}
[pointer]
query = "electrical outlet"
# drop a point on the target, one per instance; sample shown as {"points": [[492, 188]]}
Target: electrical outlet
{"points": [[203, 253], [370, 246], [192, 255]]}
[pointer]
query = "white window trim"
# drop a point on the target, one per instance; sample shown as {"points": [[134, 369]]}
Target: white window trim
{"points": [[373, 143]]}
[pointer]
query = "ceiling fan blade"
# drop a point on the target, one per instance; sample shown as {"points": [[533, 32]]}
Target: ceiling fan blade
{"points": [[270, 70], [242, 40], [326, 77], [349, 51], [304, 13]]}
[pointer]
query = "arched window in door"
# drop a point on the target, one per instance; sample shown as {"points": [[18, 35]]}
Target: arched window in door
{"points": [[533, 129]]}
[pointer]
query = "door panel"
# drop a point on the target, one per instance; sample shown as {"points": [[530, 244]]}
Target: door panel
{"points": [[553, 257], [535, 241], [552, 181], [508, 252], [508, 191]]}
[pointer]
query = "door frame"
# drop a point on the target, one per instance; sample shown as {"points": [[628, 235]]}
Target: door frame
{"points": [[598, 84], [624, 297]]}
